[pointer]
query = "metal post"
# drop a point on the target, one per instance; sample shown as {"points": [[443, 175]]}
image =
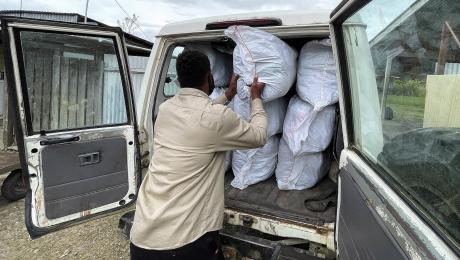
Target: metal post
{"points": [[386, 82], [86, 11]]}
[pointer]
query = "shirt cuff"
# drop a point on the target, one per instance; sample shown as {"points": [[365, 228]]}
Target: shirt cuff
{"points": [[220, 100], [257, 104]]}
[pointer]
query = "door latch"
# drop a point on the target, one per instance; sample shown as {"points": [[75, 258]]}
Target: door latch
{"points": [[89, 158]]}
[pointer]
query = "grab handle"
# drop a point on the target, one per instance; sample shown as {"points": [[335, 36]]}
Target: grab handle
{"points": [[59, 140]]}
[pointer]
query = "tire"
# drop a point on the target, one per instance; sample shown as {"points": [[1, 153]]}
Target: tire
{"points": [[13, 187]]}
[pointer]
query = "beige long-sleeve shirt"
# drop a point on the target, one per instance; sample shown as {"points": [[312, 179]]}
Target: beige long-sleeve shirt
{"points": [[182, 194]]}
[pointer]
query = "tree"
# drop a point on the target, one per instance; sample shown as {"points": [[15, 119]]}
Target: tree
{"points": [[128, 24]]}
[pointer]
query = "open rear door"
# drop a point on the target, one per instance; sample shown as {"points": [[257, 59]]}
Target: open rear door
{"points": [[399, 174], [74, 118]]}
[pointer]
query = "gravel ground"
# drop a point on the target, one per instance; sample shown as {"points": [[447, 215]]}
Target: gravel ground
{"points": [[96, 239]]}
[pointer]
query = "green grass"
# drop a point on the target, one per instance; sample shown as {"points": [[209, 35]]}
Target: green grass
{"points": [[407, 108]]}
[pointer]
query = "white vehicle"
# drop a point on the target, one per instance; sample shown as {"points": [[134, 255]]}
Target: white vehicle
{"points": [[84, 142]]}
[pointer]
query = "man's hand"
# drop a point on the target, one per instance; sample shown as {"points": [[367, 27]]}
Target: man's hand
{"points": [[257, 88], [231, 91]]}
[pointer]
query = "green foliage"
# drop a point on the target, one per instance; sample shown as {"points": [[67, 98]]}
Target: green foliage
{"points": [[413, 87]]}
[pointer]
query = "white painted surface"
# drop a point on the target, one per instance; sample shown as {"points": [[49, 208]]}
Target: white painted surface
{"points": [[288, 18]]}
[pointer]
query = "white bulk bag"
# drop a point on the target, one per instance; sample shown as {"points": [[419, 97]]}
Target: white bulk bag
{"points": [[302, 171], [316, 74], [221, 63], [217, 92], [306, 130], [254, 165], [275, 110], [265, 55]]}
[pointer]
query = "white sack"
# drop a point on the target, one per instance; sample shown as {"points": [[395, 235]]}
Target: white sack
{"points": [[316, 78], [265, 55], [254, 165], [221, 63], [217, 92], [299, 172], [276, 110], [306, 130]]}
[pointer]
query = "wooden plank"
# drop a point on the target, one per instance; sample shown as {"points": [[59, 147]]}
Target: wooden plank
{"points": [[46, 99], [81, 93], [442, 101], [98, 92], [38, 92], [443, 51], [91, 81], [73, 83], [64, 97], [55, 97]]}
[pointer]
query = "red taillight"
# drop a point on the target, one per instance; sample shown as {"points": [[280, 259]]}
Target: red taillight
{"points": [[249, 22]]}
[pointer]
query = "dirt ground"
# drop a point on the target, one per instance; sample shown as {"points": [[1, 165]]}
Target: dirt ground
{"points": [[97, 239]]}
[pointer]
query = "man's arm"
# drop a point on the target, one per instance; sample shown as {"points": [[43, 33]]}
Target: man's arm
{"points": [[235, 133], [229, 93]]}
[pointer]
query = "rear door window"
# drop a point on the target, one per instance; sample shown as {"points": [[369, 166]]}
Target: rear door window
{"points": [[73, 81], [404, 74]]}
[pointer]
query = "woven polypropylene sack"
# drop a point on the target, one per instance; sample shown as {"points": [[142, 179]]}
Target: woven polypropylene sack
{"points": [[254, 165], [316, 74], [265, 55], [302, 171], [218, 92], [275, 110], [306, 130], [221, 63]]}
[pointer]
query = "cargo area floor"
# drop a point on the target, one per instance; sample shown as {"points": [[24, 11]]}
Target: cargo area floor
{"points": [[265, 198]]}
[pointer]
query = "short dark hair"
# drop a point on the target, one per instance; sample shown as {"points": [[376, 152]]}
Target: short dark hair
{"points": [[192, 67]]}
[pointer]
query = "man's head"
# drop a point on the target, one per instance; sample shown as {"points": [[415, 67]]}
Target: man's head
{"points": [[193, 70]]}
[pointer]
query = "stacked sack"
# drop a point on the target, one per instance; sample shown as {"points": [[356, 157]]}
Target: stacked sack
{"points": [[274, 62], [221, 63], [310, 120]]}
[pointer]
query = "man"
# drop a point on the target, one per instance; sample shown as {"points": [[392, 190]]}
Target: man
{"points": [[180, 206]]}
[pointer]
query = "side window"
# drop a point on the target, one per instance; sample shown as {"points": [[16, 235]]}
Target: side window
{"points": [[72, 81], [404, 75], [171, 84]]}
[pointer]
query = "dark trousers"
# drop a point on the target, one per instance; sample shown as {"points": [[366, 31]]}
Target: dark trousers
{"points": [[207, 247]]}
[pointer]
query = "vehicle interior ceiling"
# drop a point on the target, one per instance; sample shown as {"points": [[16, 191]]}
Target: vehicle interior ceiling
{"points": [[316, 205]]}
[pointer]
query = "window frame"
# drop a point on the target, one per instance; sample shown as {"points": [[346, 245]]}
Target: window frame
{"points": [[22, 74], [165, 68], [338, 17]]}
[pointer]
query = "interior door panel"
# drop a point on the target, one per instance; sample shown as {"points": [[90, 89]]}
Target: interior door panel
{"points": [[361, 234], [75, 184]]}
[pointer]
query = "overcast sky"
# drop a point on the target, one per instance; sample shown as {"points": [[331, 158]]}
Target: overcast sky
{"points": [[153, 14]]}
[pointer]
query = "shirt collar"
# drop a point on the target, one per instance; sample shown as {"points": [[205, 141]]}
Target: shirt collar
{"points": [[192, 91]]}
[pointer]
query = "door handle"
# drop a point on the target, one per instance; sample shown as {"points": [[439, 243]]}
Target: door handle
{"points": [[89, 158], [52, 141]]}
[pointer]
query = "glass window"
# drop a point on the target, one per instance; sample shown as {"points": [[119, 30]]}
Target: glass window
{"points": [[171, 86], [404, 74], [73, 81]]}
